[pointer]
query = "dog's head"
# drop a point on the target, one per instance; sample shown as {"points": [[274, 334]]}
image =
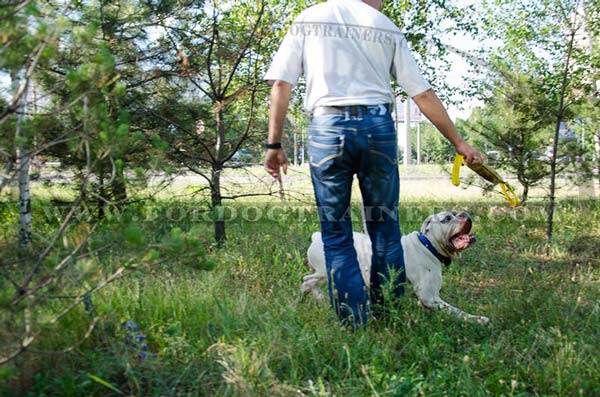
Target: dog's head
{"points": [[449, 232]]}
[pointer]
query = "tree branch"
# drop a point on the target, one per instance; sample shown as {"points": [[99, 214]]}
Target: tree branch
{"points": [[21, 90], [246, 47]]}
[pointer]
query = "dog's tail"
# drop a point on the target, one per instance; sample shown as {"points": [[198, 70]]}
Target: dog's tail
{"points": [[363, 213]]}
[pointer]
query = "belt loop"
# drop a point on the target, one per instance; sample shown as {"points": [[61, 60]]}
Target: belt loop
{"points": [[359, 111], [347, 113]]}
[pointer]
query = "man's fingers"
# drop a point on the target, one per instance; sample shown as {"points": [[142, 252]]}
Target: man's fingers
{"points": [[273, 164], [274, 172], [473, 158], [477, 159], [268, 168]]}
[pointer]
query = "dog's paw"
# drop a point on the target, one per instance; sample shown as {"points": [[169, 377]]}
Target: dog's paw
{"points": [[483, 320]]}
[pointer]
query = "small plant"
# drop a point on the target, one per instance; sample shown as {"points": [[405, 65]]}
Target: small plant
{"points": [[136, 340]]}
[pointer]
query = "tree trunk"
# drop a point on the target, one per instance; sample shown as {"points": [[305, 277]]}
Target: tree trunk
{"points": [[521, 177], [25, 229], [216, 202], [21, 138], [525, 194], [101, 203], [591, 38], [118, 187], [559, 118], [597, 156], [217, 168]]}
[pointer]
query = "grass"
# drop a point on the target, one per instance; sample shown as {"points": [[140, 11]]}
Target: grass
{"points": [[244, 329], [431, 181]]}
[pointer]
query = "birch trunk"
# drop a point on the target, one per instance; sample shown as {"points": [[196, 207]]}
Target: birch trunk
{"points": [[23, 163]]}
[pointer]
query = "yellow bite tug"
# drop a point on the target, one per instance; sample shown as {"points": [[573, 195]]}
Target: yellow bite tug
{"points": [[488, 174]]}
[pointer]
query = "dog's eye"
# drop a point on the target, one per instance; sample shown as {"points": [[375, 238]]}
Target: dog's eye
{"points": [[447, 219]]}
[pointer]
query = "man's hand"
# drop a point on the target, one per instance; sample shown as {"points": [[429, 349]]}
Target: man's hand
{"points": [[472, 156], [280, 99], [274, 160]]}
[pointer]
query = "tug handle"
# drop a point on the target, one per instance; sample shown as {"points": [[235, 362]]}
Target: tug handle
{"points": [[509, 194], [458, 161]]}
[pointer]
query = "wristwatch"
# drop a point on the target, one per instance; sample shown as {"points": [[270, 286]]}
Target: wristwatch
{"points": [[273, 145]]}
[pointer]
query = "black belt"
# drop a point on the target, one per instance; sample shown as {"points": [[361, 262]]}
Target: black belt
{"points": [[353, 110]]}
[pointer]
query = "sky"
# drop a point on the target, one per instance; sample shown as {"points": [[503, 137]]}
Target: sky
{"points": [[456, 78], [459, 70], [4, 86]]}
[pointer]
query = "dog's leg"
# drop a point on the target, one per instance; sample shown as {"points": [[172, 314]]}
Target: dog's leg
{"points": [[439, 304], [311, 283]]}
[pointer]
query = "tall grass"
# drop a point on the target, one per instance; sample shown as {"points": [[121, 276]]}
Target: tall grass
{"points": [[244, 329]]}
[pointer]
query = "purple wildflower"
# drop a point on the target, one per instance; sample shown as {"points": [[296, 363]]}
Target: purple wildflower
{"points": [[132, 326]]}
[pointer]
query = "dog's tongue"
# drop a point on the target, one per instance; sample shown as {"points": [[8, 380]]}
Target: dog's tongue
{"points": [[463, 241]]}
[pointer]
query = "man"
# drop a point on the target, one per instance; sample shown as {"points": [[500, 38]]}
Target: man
{"points": [[347, 50]]}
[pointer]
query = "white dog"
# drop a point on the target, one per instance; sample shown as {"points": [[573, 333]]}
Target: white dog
{"points": [[442, 237]]}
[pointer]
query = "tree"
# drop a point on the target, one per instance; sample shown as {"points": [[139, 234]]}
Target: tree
{"points": [[79, 109], [514, 122], [590, 110], [434, 147], [116, 34], [20, 66], [209, 111], [540, 39]]}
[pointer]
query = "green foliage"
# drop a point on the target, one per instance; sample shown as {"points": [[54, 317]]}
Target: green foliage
{"points": [[533, 40], [552, 42], [134, 235], [518, 121], [434, 147], [515, 121], [423, 23]]}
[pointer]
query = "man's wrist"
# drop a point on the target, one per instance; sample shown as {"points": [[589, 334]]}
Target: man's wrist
{"points": [[459, 142]]}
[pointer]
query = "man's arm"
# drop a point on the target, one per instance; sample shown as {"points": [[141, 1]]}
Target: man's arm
{"points": [[281, 92], [434, 110], [280, 100]]}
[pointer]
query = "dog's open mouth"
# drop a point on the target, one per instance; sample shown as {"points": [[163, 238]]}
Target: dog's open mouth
{"points": [[463, 239]]}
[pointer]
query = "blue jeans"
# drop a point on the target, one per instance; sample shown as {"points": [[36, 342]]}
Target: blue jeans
{"points": [[339, 147]]}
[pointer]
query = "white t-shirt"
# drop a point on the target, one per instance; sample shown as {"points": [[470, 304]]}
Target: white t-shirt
{"points": [[347, 51]]}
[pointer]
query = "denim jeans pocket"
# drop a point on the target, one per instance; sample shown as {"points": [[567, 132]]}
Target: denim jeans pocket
{"points": [[323, 148], [384, 146]]}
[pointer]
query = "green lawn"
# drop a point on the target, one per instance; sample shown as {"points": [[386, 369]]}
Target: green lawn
{"points": [[244, 329]]}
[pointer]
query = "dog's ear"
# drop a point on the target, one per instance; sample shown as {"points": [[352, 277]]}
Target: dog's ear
{"points": [[425, 226]]}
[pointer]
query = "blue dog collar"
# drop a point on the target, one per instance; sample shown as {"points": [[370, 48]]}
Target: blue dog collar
{"points": [[444, 259]]}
